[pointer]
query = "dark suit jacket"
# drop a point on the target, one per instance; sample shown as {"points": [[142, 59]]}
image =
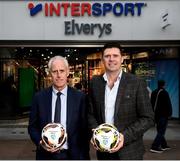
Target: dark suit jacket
{"points": [[40, 115], [133, 112]]}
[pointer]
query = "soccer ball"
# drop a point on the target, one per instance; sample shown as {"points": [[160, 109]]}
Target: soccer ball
{"points": [[53, 135], [105, 137]]}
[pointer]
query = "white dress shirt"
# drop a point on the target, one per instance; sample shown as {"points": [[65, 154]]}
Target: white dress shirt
{"points": [[110, 98]]}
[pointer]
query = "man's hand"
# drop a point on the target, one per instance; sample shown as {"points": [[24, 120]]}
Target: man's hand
{"points": [[48, 148], [92, 142], [119, 145]]}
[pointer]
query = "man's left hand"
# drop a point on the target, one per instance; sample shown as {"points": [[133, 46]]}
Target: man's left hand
{"points": [[119, 145]]}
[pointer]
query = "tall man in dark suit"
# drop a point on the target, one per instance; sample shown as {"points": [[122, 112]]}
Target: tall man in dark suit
{"points": [[73, 115], [121, 99]]}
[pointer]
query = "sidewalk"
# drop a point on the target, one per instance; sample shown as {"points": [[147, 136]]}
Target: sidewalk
{"points": [[16, 144], [25, 150], [173, 139]]}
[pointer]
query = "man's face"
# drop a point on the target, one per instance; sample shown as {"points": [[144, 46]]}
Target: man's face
{"points": [[112, 59], [59, 73]]}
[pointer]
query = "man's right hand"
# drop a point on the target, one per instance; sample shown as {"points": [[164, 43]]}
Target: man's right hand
{"points": [[48, 148], [92, 142]]}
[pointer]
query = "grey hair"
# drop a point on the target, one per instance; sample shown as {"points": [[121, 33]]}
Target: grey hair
{"points": [[58, 57]]}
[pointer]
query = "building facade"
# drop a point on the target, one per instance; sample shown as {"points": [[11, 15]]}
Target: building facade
{"points": [[33, 31]]}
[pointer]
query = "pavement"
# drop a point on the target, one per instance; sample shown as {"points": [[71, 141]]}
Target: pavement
{"points": [[16, 144]]}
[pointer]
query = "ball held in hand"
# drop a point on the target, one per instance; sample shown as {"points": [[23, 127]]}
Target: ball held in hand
{"points": [[105, 137], [53, 136]]}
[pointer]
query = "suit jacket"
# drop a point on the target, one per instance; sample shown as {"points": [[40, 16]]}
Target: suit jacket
{"points": [[40, 115], [133, 112]]}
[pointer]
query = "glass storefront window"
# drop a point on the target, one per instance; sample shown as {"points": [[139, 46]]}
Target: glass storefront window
{"points": [[21, 68]]}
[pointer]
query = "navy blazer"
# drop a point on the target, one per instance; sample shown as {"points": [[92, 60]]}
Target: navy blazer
{"points": [[41, 113], [133, 112]]}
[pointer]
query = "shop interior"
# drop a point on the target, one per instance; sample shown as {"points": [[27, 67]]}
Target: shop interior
{"points": [[23, 70]]}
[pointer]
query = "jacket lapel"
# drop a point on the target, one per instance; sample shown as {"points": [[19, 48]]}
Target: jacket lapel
{"points": [[49, 104], [120, 93], [102, 87], [70, 104]]}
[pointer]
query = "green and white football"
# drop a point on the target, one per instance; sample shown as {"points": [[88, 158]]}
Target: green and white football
{"points": [[105, 137]]}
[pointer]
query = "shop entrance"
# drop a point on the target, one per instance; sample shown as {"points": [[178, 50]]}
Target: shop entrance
{"points": [[24, 71]]}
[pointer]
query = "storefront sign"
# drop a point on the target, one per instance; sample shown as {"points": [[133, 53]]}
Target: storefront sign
{"points": [[90, 20], [80, 9], [77, 9]]}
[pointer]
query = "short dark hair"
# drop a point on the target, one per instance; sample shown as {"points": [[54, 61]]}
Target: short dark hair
{"points": [[161, 83], [111, 45]]}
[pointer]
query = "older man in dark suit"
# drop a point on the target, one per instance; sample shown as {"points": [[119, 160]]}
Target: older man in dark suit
{"points": [[72, 115], [121, 99]]}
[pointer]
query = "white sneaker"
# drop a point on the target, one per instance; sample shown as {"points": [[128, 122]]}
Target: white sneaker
{"points": [[156, 150]]}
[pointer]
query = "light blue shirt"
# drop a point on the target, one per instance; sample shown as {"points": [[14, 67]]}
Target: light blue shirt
{"points": [[63, 108]]}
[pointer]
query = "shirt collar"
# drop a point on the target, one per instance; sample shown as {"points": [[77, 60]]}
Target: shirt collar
{"points": [[64, 91], [119, 76]]}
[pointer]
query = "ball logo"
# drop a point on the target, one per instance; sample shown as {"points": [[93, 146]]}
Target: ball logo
{"points": [[34, 9], [105, 141], [53, 136]]}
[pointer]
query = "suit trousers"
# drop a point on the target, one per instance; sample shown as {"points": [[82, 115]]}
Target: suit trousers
{"points": [[60, 155], [117, 156], [107, 156]]}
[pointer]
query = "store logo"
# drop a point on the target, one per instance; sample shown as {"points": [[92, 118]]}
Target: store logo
{"points": [[78, 9], [34, 9]]}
